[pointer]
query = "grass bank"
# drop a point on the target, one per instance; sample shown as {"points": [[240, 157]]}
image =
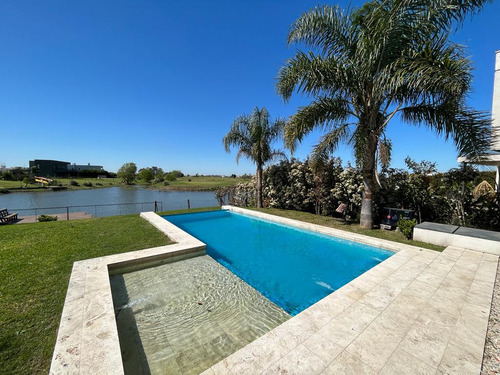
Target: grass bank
{"points": [[191, 183], [83, 184], [200, 183], [354, 227], [36, 262]]}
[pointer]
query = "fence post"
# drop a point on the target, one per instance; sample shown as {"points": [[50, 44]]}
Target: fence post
{"points": [[189, 205], [67, 212], [156, 206]]}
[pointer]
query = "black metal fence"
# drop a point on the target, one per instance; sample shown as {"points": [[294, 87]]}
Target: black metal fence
{"points": [[96, 210]]}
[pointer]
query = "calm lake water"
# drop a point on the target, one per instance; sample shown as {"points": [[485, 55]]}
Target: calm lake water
{"points": [[104, 202]]}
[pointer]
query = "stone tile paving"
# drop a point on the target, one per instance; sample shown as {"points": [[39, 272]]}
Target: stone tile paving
{"points": [[419, 312], [491, 358]]}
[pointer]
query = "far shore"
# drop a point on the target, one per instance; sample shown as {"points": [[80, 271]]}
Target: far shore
{"points": [[187, 183]]}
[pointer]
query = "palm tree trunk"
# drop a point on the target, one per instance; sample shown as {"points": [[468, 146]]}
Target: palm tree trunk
{"points": [[259, 186], [366, 220]]}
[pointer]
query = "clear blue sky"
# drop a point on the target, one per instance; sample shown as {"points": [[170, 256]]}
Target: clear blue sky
{"points": [[159, 82]]}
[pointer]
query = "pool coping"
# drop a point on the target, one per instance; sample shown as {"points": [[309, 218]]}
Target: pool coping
{"points": [[88, 341]]}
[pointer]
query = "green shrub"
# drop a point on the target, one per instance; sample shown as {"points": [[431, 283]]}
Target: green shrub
{"points": [[8, 176], [170, 177], [43, 218], [87, 184], [166, 183], [406, 227], [74, 183]]}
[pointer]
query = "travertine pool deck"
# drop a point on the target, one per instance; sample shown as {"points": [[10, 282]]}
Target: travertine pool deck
{"points": [[418, 312]]}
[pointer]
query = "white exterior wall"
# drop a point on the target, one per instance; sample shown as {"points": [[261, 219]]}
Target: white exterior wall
{"points": [[495, 109]]}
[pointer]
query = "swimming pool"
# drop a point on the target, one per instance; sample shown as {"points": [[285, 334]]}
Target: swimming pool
{"points": [[293, 268]]}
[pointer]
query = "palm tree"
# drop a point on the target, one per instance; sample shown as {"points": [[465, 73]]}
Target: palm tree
{"points": [[253, 135], [389, 58]]}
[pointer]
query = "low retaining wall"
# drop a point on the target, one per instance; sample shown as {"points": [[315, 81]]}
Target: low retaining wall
{"points": [[452, 235]]}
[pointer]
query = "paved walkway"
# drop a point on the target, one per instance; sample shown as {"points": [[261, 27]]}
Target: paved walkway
{"points": [[419, 312], [60, 217]]}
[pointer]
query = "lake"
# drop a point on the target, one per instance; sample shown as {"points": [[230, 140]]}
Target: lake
{"points": [[104, 202]]}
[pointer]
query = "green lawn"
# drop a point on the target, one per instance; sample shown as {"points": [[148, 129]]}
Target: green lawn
{"points": [[35, 266], [96, 183], [202, 183], [354, 227]]}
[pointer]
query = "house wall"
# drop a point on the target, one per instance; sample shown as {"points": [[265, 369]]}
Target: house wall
{"points": [[495, 109]]}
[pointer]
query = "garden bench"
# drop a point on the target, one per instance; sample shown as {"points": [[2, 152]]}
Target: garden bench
{"points": [[6, 218]]}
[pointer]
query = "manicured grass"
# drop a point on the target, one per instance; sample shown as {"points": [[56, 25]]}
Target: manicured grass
{"points": [[11, 184], [35, 266], [65, 182], [201, 183], [354, 227], [192, 183]]}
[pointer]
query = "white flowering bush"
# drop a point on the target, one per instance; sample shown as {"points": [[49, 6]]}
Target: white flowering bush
{"points": [[349, 190], [243, 194], [302, 186]]}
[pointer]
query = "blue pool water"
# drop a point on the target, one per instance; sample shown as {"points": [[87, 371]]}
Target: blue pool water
{"points": [[293, 268]]}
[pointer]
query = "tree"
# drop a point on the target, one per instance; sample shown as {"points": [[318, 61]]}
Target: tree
{"points": [[7, 176], [253, 135], [389, 58], [146, 175], [127, 173]]}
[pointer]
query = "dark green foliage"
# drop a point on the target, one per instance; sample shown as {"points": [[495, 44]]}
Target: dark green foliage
{"points": [[127, 173], [7, 176], [44, 218], [484, 213], [146, 175], [170, 177], [87, 184], [406, 227], [74, 183], [177, 173], [320, 188]]}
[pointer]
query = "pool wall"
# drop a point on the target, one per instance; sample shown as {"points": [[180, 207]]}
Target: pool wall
{"points": [[87, 340]]}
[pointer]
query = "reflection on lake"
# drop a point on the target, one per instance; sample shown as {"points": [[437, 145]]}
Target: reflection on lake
{"points": [[130, 200]]}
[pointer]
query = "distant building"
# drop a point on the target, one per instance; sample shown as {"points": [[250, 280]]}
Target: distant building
{"points": [[56, 168], [49, 168], [85, 167]]}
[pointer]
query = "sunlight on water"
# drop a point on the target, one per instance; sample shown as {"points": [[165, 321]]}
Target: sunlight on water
{"points": [[183, 317]]}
